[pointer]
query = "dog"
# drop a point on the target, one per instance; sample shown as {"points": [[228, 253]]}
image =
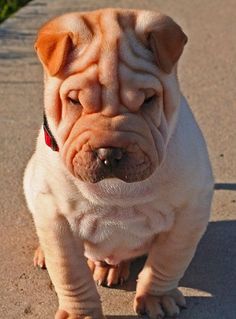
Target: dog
{"points": [[121, 168]]}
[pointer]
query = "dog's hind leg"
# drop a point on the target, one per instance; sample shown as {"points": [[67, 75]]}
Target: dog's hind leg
{"points": [[103, 273], [39, 259], [109, 275]]}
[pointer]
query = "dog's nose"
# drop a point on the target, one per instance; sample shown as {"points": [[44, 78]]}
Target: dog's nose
{"points": [[110, 156]]}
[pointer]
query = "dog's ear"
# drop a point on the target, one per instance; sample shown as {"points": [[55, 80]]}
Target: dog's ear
{"points": [[167, 41], [53, 50]]}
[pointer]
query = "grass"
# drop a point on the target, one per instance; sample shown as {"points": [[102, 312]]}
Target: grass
{"points": [[8, 7]]}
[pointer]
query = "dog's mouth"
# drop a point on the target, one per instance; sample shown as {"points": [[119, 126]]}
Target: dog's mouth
{"points": [[127, 164]]}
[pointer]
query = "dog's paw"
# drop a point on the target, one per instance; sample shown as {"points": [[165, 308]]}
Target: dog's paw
{"points": [[157, 307], [39, 259], [62, 314], [108, 275]]}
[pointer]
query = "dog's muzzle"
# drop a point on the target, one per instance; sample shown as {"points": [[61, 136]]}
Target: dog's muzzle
{"points": [[112, 162]]}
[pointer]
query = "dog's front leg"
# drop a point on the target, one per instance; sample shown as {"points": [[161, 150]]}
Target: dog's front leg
{"points": [[171, 252], [66, 264]]}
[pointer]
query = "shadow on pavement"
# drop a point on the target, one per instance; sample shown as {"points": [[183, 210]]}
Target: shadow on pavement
{"points": [[213, 271], [212, 274], [225, 186]]}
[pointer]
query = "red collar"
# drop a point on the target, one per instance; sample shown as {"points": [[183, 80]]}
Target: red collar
{"points": [[49, 138]]}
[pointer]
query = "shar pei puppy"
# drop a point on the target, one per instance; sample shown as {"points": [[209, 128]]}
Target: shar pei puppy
{"points": [[121, 168]]}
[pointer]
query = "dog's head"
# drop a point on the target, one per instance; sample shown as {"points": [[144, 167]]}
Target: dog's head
{"points": [[111, 91]]}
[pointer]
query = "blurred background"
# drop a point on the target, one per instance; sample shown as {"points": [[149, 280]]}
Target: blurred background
{"points": [[7, 7]]}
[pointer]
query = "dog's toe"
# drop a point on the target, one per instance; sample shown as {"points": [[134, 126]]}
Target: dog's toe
{"points": [[109, 275], [169, 304], [39, 259]]}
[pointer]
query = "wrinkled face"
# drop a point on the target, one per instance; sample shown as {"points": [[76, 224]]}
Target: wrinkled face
{"points": [[112, 131], [110, 91]]}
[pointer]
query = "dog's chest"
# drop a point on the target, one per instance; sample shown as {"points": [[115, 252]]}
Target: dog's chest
{"points": [[114, 233]]}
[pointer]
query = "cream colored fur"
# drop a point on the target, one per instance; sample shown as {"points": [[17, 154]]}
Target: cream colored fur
{"points": [[164, 215]]}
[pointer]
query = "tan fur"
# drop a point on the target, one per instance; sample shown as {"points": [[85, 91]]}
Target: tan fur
{"points": [[110, 82]]}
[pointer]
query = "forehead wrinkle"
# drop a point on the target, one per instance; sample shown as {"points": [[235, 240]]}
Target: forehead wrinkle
{"points": [[134, 60], [140, 80], [88, 53], [109, 41], [108, 59], [78, 26], [113, 38], [137, 46], [85, 56], [128, 21]]}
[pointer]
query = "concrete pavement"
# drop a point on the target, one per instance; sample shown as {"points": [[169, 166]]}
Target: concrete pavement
{"points": [[207, 76]]}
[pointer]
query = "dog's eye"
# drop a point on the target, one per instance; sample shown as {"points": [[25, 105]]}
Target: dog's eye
{"points": [[149, 99], [74, 101]]}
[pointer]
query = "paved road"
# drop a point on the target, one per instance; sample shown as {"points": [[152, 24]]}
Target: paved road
{"points": [[208, 79]]}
